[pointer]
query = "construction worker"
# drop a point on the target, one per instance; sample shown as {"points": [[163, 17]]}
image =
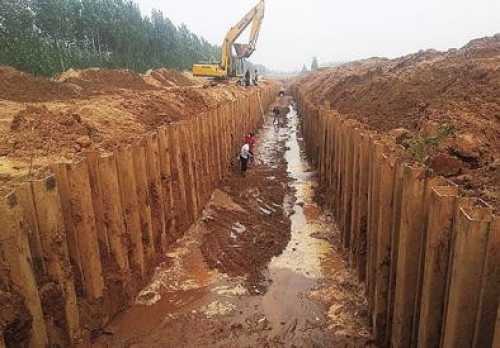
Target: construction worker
{"points": [[250, 140], [276, 115], [245, 156], [247, 78]]}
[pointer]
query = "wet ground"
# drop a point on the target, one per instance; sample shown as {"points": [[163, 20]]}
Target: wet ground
{"points": [[260, 269]]}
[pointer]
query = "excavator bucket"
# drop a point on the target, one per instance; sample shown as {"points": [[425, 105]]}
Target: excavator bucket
{"points": [[242, 50]]}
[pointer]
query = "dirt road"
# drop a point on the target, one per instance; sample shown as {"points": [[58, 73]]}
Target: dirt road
{"points": [[262, 268]]}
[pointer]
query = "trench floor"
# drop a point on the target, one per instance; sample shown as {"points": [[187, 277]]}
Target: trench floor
{"points": [[261, 268]]}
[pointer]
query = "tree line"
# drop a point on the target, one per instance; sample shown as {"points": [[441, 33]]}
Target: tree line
{"points": [[46, 37]]}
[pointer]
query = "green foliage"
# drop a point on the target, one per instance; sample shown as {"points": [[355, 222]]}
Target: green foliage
{"points": [[47, 37], [422, 147]]}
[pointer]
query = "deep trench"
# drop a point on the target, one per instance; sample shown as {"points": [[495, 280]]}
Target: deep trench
{"points": [[304, 294]]}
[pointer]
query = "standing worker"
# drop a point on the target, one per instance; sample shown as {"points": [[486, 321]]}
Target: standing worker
{"points": [[276, 114], [247, 78], [250, 140], [256, 77], [245, 156]]}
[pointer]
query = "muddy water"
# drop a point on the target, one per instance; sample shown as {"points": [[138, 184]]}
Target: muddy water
{"points": [[299, 268], [306, 297]]}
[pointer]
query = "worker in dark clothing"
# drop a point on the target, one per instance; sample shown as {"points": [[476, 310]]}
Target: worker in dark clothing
{"points": [[256, 78], [247, 78], [276, 114], [245, 156]]}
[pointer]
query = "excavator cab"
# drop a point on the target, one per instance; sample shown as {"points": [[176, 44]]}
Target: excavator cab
{"points": [[209, 70]]}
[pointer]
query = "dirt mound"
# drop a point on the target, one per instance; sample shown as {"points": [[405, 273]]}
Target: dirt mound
{"points": [[483, 47], [168, 78], [37, 131], [389, 94], [98, 81], [159, 109], [456, 92], [21, 87]]}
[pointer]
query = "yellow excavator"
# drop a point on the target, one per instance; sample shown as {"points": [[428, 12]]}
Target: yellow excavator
{"points": [[227, 66]]}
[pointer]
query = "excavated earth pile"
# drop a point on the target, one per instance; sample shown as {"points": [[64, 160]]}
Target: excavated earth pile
{"points": [[47, 120], [442, 107]]}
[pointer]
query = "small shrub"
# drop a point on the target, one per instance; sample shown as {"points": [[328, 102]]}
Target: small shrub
{"points": [[421, 148]]}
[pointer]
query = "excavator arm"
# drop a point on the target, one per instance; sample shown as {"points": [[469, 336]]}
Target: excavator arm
{"points": [[224, 68], [254, 16]]}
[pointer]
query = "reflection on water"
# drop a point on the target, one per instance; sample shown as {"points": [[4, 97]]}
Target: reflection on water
{"points": [[299, 268], [304, 253]]}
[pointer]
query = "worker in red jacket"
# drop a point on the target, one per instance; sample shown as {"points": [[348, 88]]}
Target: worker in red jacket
{"points": [[250, 140]]}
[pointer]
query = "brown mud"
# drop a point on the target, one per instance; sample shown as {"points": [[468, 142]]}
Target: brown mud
{"points": [[262, 268]]}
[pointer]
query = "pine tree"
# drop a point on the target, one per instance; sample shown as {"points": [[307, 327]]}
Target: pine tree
{"points": [[49, 36]]}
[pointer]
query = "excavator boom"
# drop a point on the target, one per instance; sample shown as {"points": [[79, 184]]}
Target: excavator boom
{"points": [[225, 68], [246, 50]]}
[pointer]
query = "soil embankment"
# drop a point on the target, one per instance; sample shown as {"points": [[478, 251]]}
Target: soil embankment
{"points": [[442, 107], [43, 121]]}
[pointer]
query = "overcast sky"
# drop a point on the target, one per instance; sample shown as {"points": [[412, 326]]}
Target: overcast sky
{"points": [[296, 30]]}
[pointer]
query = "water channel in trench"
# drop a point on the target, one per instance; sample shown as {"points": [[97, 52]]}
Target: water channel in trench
{"points": [[190, 304], [299, 268]]}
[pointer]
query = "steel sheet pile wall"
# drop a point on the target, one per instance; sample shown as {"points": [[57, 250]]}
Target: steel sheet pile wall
{"points": [[429, 257], [78, 245]]}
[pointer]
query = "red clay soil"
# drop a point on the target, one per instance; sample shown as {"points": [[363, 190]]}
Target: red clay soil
{"points": [[169, 78], [22, 87], [444, 107], [47, 120], [103, 81], [37, 131], [154, 110]]}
